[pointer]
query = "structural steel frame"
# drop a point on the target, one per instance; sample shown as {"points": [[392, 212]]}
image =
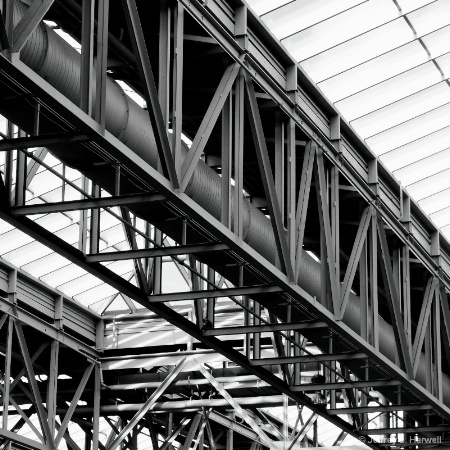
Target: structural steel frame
{"points": [[392, 235]]}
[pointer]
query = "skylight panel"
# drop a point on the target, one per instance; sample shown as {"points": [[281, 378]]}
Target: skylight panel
{"points": [[263, 6], [298, 15], [424, 167], [410, 5], [373, 72], [444, 64], [428, 185], [389, 91], [433, 203], [432, 17], [340, 28], [358, 50], [46, 264], [437, 42], [403, 110], [411, 130], [414, 151], [442, 217]]}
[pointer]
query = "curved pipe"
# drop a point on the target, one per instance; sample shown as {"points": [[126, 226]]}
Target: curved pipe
{"points": [[59, 64]]}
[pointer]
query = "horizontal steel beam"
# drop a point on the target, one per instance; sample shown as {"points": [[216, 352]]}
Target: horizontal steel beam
{"points": [[191, 405], [308, 359], [41, 141], [378, 408], [227, 331], [379, 431], [239, 382], [345, 385], [92, 203], [154, 252], [213, 293]]}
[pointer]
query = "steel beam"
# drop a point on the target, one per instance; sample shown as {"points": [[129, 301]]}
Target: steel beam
{"points": [[90, 203], [400, 430], [29, 21], [379, 408], [308, 359], [227, 331], [41, 141], [214, 293], [155, 252]]}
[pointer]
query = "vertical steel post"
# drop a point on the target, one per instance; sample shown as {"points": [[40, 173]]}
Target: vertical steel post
{"points": [[94, 237], [87, 55], [291, 188], [178, 65], [164, 59], [102, 62], [82, 235], [226, 161], [52, 387], [7, 374], [238, 153]]}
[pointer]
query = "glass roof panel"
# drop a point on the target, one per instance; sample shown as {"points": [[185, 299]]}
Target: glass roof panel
{"points": [[428, 185], [340, 28], [410, 5], [442, 217], [424, 167], [358, 50], [264, 6], [433, 203], [389, 91], [298, 15], [414, 151], [374, 71], [437, 42], [411, 130], [432, 17], [45, 264], [403, 110], [444, 64]]}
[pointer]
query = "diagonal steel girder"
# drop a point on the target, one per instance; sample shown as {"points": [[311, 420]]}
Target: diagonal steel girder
{"points": [[23, 75]]}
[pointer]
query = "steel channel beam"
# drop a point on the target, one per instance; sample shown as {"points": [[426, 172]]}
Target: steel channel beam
{"points": [[227, 331], [93, 203], [155, 252], [308, 359], [41, 141], [213, 293], [345, 385], [378, 408]]}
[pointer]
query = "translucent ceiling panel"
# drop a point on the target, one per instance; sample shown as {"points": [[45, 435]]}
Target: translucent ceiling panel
{"points": [[340, 28], [428, 145], [389, 91], [301, 14], [358, 50], [409, 131], [264, 6], [444, 64], [63, 275], [442, 218], [374, 71], [423, 168], [410, 5], [432, 17], [403, 110], [434, 203], [437, 42], [429, 185], [46, 264], [27, 253]]}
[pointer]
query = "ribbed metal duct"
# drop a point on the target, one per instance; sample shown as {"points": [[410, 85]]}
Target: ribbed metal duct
{"points": [[59, 64]]}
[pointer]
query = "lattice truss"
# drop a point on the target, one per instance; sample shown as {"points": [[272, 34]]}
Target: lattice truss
{"points": [[225, 265]]}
